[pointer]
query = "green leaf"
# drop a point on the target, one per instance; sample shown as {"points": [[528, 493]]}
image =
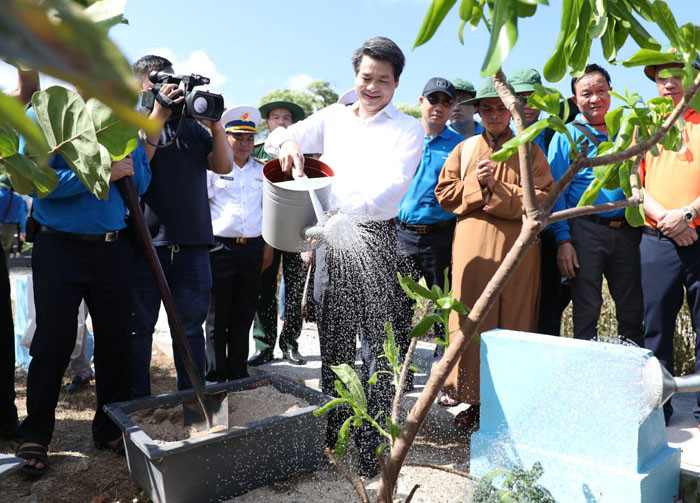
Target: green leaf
{"points": [[612, 121], [465, 9], [423, 326], [621, 34], [460, 33], [526, 9], [9, 141], [607, 41], [57, 38], [352, 383], [635, 216], [580, 48], [69, 131], [640, 35], [329, 405], [12, 113], [446, 282], [382, 447], [511, 146], [118, 137], [414, 368], [591, 193], [624, 174], [433, 18], [643, 7], [107, 13], [341, 444], [393, 429], [504, 33], [555, 67], [665, 20], [599, 19], [546, 99], [460, 308], [412, 288], [25, 175], [644, 57]]}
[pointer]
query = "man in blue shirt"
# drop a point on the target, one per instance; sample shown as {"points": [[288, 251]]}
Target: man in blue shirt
{"points": [[591, 246], [13, 216], [462, 116], [423, 229], [81, 251]]}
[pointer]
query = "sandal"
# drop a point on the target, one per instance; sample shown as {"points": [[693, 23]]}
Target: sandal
{"points": [[116, 446], [38, 453], [445, 400]]}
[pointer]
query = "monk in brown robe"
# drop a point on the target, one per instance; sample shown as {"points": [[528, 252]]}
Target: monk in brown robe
{"points": [[488, 199]]}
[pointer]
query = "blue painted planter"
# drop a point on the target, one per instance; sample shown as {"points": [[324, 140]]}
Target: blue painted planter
{"points": [[576, 407]]}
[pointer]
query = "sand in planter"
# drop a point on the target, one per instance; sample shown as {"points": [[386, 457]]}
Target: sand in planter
{"points": [[166, 425]]}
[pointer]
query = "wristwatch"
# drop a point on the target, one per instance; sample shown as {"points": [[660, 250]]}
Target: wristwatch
{"points": [[688, 214]]}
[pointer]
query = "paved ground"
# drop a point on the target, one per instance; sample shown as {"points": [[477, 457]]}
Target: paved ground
{"points": [[682, 432]]}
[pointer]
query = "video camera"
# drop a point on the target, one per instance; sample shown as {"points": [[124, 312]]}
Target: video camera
{"points": [[196, 105]]}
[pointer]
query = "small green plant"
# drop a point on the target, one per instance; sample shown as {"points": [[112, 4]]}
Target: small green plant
{"points": [[436, 303], [392, 354], [441, 303], [519, 486]]}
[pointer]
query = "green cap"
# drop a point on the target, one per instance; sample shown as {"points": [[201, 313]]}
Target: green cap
{"points": [[487, 90], [524, 80], [297, 112], [464, 86]]}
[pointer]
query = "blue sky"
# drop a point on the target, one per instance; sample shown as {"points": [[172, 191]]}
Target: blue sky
{"points": [[249, 48]]}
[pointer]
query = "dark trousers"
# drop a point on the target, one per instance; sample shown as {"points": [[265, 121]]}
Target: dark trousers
{"points": [[8, 411], [554, 289], [236, 274], [265, 327], [426, 255], [354, 293], [613, 252], [666, 270], [188, 274], [66, 271]]}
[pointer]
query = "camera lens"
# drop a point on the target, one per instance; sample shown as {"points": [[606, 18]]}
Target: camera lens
{"points": [[200, 105]]}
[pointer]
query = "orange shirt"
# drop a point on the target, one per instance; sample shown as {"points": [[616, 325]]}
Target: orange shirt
{"points": [[673, 178]]}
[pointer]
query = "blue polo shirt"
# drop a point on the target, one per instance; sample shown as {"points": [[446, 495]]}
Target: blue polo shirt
{"points": [[13, 209], [71, 207], [419, 205], [559, 162], [477, 130]]}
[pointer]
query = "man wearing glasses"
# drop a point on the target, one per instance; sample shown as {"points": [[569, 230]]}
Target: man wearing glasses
{"points": [[423, 229]]}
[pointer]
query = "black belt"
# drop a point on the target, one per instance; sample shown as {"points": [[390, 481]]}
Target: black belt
{"points": [[238, 241], [425, 229], [107, 238], [615, 223], [657, 233]]}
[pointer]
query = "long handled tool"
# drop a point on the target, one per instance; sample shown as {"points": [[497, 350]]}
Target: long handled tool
{"points": [[208, 409]]}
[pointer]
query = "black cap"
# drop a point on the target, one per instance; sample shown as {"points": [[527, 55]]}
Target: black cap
{"points": [[437, 84]]}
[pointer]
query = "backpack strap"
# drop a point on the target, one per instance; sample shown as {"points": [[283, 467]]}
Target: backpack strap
{"points": [[467, 150], [586, 132]]}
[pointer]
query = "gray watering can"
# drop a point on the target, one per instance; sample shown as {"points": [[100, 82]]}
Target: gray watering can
{"points": [[659, 385], [289, 217]]}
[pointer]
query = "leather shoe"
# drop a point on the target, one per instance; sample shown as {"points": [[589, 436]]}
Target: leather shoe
{"points": [[77, 385], [293, 357], [468, 420], [260, 357]]}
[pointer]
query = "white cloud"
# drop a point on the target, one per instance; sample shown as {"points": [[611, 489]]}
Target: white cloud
{"points": [[299, 82], [196, 62]]}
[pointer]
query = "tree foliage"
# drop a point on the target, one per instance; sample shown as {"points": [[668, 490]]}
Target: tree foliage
{"points": [[412, 110]]}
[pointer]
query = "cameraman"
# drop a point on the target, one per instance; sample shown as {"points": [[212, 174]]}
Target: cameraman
{"points": [[176, 206]]}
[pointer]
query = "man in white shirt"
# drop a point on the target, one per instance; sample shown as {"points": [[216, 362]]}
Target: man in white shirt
{"points": [[373, 150], [240, 254]]}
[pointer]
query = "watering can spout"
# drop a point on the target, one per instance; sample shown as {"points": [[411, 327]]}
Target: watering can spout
{"points": [[659, 385]]}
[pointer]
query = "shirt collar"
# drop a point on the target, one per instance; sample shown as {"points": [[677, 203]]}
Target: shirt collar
{"points": [[580, 118], [389, 110]]}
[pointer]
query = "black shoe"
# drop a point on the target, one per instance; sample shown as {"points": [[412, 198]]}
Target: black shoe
{"points": [[293, 357], [260, 357], [77, 385]]}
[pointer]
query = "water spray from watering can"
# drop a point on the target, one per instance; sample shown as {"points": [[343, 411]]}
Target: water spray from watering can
{"points": [[658, 385]]}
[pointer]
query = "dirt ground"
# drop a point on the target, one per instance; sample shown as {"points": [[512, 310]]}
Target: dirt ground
{"points": [[80, 473]]}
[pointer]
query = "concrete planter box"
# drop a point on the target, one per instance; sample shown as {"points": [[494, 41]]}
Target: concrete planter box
{"points": [[227, 463]]}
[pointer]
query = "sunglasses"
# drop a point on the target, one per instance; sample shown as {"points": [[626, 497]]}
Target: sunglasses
{"points": [[434, 100]]}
